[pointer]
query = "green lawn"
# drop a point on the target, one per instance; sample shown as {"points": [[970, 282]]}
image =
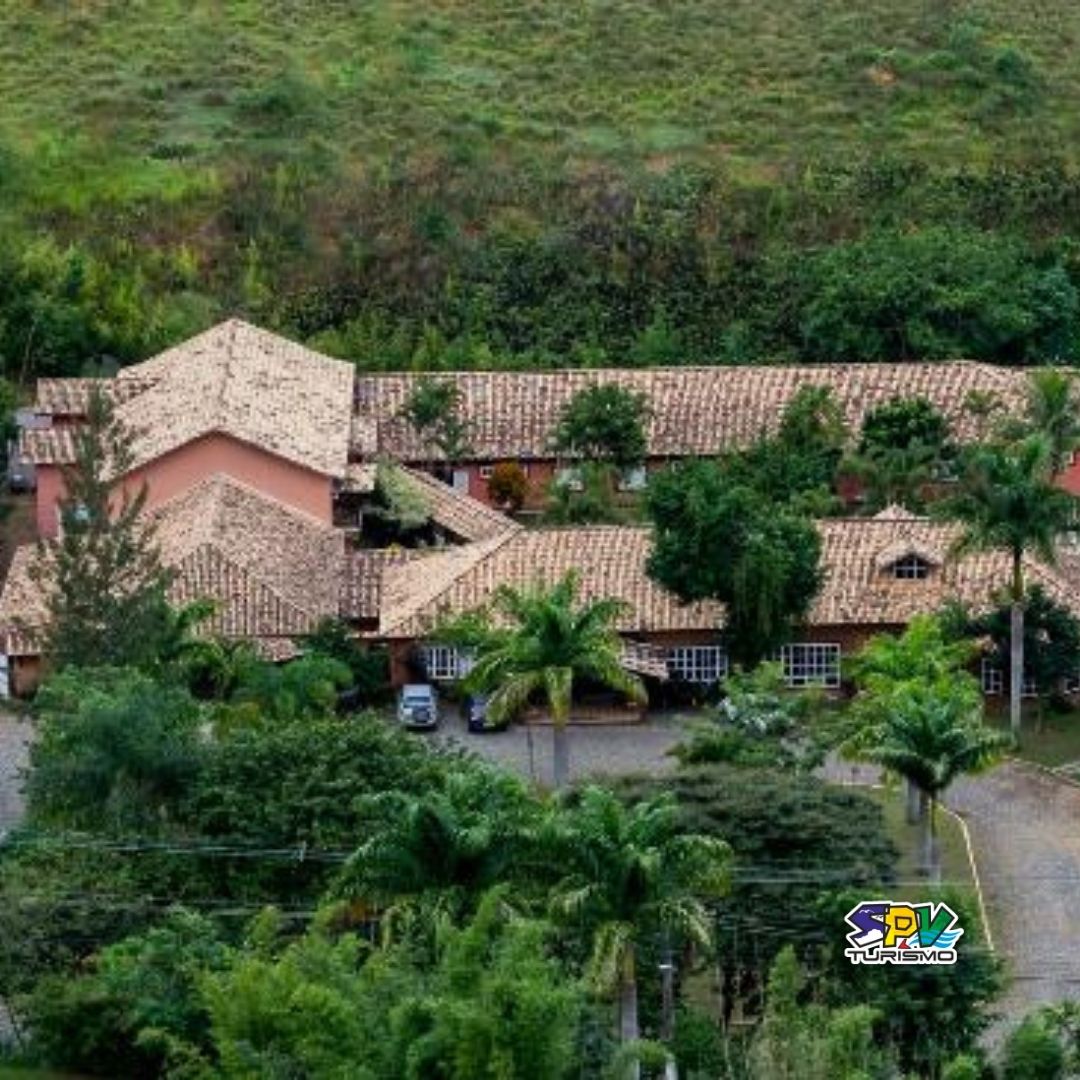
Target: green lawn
{"points": [[150, 97], [1052, 741]]}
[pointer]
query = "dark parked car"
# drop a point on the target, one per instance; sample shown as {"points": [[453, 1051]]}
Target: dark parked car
{"points": [[474, 710]]}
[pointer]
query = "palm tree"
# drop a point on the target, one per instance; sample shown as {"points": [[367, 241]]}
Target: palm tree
{"points": [[441, 851], [930, 732], [1008, 502], [630, 870], [1054, 412], [552, 642]]}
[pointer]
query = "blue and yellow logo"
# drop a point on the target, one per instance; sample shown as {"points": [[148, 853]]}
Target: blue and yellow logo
{"points": [[900, 932]]}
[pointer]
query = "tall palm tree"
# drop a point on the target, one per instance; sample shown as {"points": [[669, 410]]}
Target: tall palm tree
{"points": [[1008, 501], [930, 732], [551, 642], [629, 871]]}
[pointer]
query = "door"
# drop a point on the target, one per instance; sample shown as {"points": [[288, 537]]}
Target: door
{"points": [[461, 480]]}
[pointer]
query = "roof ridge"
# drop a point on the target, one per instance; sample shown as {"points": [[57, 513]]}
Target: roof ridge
{"points": [[652, 369], [491, 544], [227, 479]]}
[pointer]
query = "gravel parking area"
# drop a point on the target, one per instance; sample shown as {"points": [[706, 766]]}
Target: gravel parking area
{"points": [[15, 734], [595, 749]]}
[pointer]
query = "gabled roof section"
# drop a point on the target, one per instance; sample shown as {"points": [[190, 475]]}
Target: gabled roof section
{"points": [[272, 571], [694, 410], [234, 379], [458, 512], [609, 560], [856, 592]]}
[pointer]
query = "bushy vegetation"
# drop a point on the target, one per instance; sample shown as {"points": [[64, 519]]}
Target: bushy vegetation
{"points": [[424, 187]]}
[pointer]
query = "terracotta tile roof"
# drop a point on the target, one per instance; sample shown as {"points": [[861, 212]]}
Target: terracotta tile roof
{"points": [[695, 410], [858, 588], [273, 571], [362, 581], [234, 379], [458, 512], [609, 559]]}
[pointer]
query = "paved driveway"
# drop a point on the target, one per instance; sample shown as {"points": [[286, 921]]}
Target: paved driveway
{"points": [[14, 749], [595, 749], [1025, 827]]}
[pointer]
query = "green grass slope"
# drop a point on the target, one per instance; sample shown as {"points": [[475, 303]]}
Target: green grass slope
{"points": [[338, 167]]}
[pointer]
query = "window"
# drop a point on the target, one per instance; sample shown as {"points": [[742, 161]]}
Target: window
{"points": [[445, 663], [910, 568], [1071, 685], [811, 665], [991, 677], [634, 479], [705, 664], [486, 471], [570, 479], [993, 681]]}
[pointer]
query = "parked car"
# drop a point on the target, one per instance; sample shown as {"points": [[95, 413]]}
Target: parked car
{"points": [[474, 709], [418, 706]]}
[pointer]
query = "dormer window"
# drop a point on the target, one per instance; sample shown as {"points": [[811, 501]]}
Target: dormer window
{"points": [[910, 568]]}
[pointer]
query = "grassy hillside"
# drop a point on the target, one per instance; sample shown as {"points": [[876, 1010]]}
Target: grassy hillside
{"points": [[394, 177]]}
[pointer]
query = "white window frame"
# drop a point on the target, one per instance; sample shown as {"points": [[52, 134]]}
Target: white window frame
{"points": [[993, 682], [991, 678], [702, 665], [486, 471], [911, 568], [811, 663], [635, 479], [446, 663]]}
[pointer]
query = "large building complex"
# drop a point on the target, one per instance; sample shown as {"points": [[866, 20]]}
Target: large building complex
{"points": [[254, 450]]}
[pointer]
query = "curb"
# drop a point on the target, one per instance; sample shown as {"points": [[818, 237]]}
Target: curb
{"points": [[973, 863], [1046, 770]]}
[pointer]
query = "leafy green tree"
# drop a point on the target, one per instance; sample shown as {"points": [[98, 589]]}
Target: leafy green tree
{"points": [[551, 643], [928, 732], [102, 577], [1008, 502], [759, 722], [302, 689], [1051, 638], [606, 423], [933, 293], [901, 423], [903, 451], [368, 665], [115, 750], [629, 870], [400, 503], [797, 836], [1033, 1052], [769, 576], [584, 497], [926, 652], [494, 1004], [928, 1014], [138, 999], [796, 1041], [433, 408]]}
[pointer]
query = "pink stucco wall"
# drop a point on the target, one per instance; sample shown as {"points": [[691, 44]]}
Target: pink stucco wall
{"points": [[183, 468]]}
